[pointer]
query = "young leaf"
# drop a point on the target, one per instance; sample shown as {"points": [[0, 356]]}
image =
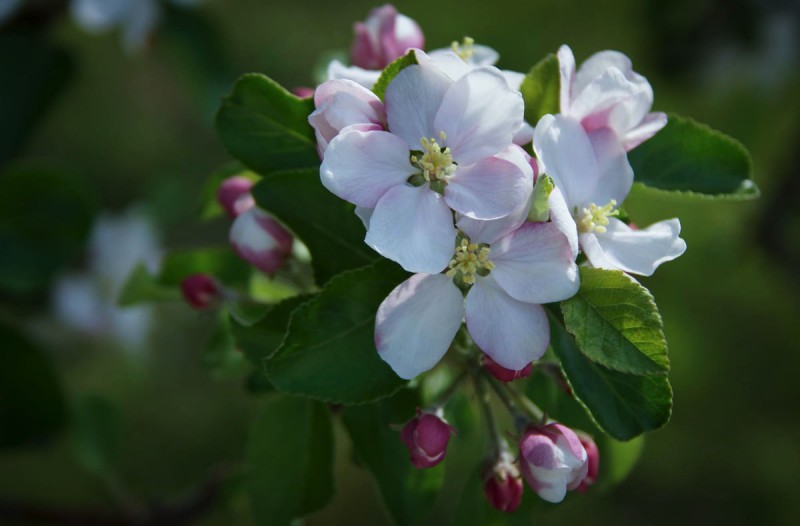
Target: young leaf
{"points": [[327, 225], [32, 405], [616, 323], [540, 88], [391, 71], [329, 351], [408, 493], [220, 356], [289, 460], [266, 127], [622, 405], [691, 158]]}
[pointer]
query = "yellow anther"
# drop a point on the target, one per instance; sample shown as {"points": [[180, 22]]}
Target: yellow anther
{"points": [[469, 259], [465, 50], [595, 218], [436, 162]]}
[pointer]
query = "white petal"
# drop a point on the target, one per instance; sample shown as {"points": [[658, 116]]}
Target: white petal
{"points": [[634, 251], [524, 135], [346, 103], [616, 174], [513, 78], [598, 63], [561, 216], [490, 189], [611, 100], [412, 99], [513, 333], [365, 77], [417, 322], [446, 61], [98, 15], [414, 227], [361, 166], [649, 126], [566, 69], [364, 214], [482, 56], [535, 264], [480, 115]]}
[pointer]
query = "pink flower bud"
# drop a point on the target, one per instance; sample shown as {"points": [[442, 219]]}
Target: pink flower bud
{"points": [[383, 37], [553, 460], [303, 92], [200, 290], [426, 437], [503, 374], [260, 240], [502, 485], [234, 195], [594, 461]]}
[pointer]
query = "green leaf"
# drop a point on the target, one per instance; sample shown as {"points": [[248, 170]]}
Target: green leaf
{"points": [[220, 356], [45, 217], [409, 494], [142, 287], [691, 158], [289, 460], [391, 71], [616, 323], [327, 225], [622, 405], [266, 127], [209, 206], [32, 405], [97, 434], [540, 89], [329, 351], [33, 73], [540, 207]]}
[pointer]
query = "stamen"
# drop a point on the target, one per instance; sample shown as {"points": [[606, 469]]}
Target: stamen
{"points": [[465, 50], [595, 218], [436, 163], [469, 260]]}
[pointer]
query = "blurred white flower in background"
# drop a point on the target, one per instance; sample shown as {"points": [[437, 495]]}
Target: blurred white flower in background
{"points": [[8, 8]]}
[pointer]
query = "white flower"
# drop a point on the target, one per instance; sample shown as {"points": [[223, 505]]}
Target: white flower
{"points": [[593, 176], [442, 150], [606, 93]]}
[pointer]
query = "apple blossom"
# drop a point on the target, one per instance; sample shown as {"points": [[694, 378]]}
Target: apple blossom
{"points": [[234, 196], [426, 437], [260, 240], [593, 176], [502, 484], [442, 149], [200, 290], [553, 460], [606, 93]]}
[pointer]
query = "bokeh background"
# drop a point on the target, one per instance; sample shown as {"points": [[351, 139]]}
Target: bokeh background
{"points": [[134, 131]]}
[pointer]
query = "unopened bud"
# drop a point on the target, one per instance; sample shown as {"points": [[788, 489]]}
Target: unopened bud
{"points": [[593, 455], [383, 37], [553, 460], [303, 92], [503, 374], [426, 437], [261, 240], [502, 484], [200, 290], [234, 195]]}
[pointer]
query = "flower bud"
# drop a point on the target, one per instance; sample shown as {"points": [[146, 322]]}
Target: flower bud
{"points": [[385, 36], [503, 374], [593, 455], [426, 437], [553, 460], [303, 92], [200, 290], [260, 240], [502, 484], [234, 195]]}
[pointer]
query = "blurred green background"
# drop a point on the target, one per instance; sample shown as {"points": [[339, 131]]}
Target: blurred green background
{"points": [[137, 129]]}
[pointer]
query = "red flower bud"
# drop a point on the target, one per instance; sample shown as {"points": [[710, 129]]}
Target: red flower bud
{"points": [[426, 437], [200, 290], [303, 92], [383, 37], [261, 240], [234, 195], [594, 461], [503, 374], [502, 485]]}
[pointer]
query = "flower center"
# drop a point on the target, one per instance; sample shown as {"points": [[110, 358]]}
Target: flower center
{"points": [[435, 163], [469, 260], [465, 50], [595, 218]]}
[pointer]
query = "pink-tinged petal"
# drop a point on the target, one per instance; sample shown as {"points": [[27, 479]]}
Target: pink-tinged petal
{"points": [[414, 227], [417, 322], [601, 61], [260, 240], [363, 53], [612, 101], [561, 217], [397, 36], [492, 188], [445, 61], [634, 251], [349, 103], [566, 154], [479, 115], [361, 167], [412, 99], [616, 174], [566, 69], [649, 126], [365, 77], [535, 264], [513, 333]]}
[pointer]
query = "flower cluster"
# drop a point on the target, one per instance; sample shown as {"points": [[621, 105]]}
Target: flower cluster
{"points": [[444, 189]]}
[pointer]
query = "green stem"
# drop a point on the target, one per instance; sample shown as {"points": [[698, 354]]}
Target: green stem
{"points": [[451, 390], [495, 438], [527, 405]]}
